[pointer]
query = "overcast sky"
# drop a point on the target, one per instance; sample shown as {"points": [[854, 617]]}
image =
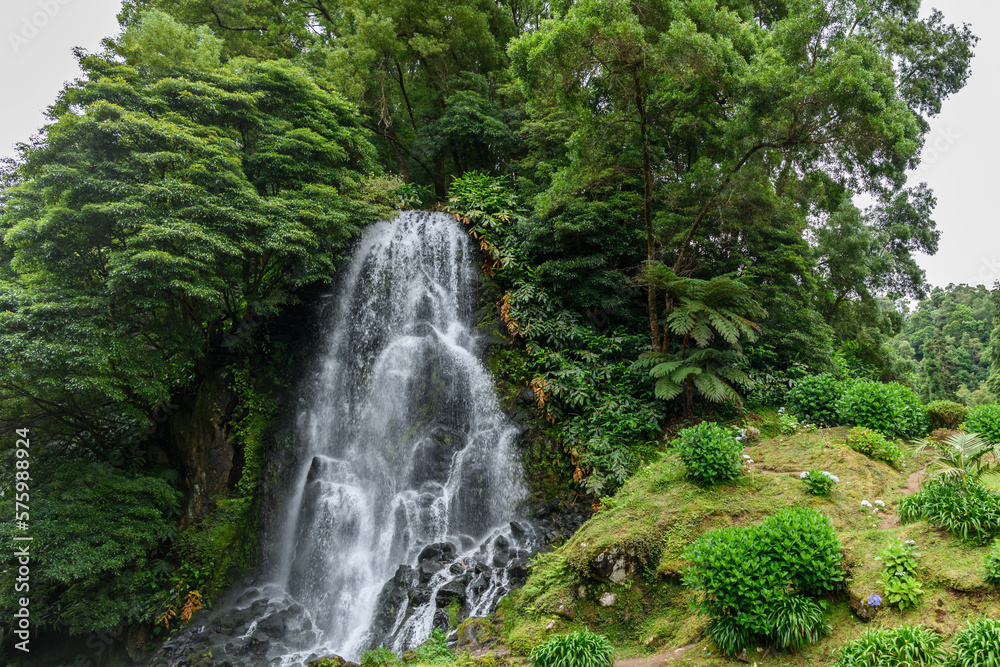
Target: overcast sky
{"points": [[959, 159]]}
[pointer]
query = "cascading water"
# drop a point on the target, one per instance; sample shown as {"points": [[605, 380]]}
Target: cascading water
{"points": [[406, 450]]}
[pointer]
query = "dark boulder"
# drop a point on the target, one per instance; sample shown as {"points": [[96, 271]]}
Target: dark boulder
{"points": [[440, 551], [453, 590], [394, 595], [428, 569]]}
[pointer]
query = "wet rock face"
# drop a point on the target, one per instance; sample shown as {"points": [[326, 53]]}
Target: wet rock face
{"points": [[433, 455], [201, 438], [249, 633], [469, 578], [395, 595], [474, 633]]}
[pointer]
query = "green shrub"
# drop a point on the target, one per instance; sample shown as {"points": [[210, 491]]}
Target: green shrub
{"points": [[992, 562], [577, 649], [434, 651], [874, 445], [753, 578], [99, 563], [379, 657], [814, 399], [972, 513], [891, 409], [711, 453], [788, 423], [819, 483], [899, 574], [978, 645], [945, 414], [985, 420], [902, 646], [802, 544]]}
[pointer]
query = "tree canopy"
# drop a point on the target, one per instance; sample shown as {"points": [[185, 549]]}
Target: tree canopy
{"points": [[158, 215]]}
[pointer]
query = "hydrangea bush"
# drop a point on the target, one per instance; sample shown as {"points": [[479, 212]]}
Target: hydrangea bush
{"points": [[985, 420], [759, 590], [711, 453], [819, 483], [891, 409], [874, 445], [815, 398]]}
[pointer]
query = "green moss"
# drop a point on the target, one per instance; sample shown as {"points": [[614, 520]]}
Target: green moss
{"points": [[454, 608], [223, 544]]}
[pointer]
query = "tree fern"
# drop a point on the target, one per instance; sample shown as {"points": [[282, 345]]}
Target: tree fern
{"points": [[699, 312]]}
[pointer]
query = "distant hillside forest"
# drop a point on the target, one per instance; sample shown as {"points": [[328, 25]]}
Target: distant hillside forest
{"points": [[664, 194]]}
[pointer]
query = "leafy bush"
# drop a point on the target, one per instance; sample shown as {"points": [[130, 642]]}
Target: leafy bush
{"points": [[577, 649], [945, 414], [903, 591], [891, 409], [902, 646], [978, 645], [711, 453], [814, 399], [801, 542], [992, 563], [874, 445], [379, 657], [819, 483], [751, 575], [972, 513], [985, 420], [434, 651], [788, 423]]}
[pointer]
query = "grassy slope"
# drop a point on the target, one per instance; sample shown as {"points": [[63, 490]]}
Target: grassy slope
{"points": [[658, 513]]}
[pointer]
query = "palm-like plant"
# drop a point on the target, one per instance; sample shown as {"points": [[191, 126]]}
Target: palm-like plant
{"points": [[961, 459], [699, 311]]}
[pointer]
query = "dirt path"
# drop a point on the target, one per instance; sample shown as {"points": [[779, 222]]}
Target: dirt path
{"points": [[913, 482], [891, 520], [671, 657]]}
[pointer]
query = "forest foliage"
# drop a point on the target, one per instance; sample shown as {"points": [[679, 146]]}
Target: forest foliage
{"points": [[664, 191]]}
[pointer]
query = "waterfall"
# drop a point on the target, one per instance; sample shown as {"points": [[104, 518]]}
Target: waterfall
{"points": [[404, 442]]}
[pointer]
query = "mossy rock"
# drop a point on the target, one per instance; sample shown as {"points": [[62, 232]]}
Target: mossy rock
{"points": [[475, 632], [331, 660]]}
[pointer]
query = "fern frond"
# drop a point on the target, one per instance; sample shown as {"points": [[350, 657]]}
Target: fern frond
{"points": [[666, 389], [713, 388]]}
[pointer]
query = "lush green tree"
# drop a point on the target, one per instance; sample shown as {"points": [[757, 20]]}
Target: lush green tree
{"points": [[695, 105], [99, 537], [426, 74], [993, 381], [948, 335], [158, 217]]}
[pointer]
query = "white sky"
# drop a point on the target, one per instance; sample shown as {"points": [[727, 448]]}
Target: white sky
{"points": [[36, 37]]}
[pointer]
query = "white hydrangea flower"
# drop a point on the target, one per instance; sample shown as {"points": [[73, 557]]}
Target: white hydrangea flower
{"points": [[865, 503], [880, 503], [803, 475]]}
